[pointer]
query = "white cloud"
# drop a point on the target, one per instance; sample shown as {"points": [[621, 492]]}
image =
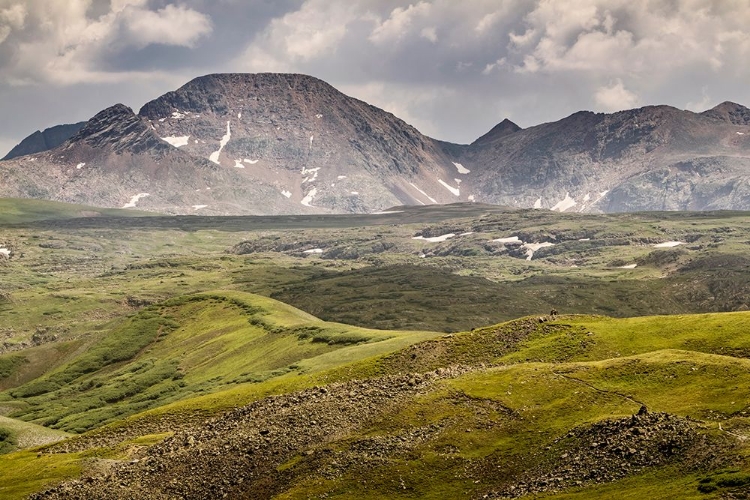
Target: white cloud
{"points": [[58, 43], [172, 25], [615, 97], [399, 23], [430, 34]]}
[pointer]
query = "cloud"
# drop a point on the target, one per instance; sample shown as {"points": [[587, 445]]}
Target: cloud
{"points": [[399, 23], [58, 43], [615, 97], [171, 25]]}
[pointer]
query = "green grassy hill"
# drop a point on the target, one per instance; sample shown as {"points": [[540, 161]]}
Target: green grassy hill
{"points": [[535, 408], [186, 346]]}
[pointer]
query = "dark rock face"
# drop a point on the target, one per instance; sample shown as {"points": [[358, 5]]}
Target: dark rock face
{"points": [[294, 144], [43, 141], [121, 130]]}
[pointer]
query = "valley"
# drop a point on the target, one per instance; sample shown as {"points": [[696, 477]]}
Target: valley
{"points": [[408, 353]]}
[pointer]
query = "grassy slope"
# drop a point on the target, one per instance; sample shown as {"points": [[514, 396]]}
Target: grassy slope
{"points": [[187, 346], [18, 211], [496, 422]]}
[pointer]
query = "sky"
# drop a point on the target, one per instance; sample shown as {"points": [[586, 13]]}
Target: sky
{"points": [[453, 69]]}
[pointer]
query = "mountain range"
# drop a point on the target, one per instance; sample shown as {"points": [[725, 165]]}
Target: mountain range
{"points": [[292, 144]]}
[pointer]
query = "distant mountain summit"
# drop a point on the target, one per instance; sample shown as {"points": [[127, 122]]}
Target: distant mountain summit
{"points": [[44, 140], [286, 143]]}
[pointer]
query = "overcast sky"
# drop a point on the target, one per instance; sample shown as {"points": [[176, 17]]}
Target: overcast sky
{"points": [[451, 68]]}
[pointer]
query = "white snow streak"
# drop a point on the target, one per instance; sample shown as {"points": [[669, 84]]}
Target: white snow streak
{"points": [[435, 239], [177, 141], [238, 164], [629, 266], [251, 162], [309, 197], [455, 191], [355, 192], [5, 252], [565, 204], [425, 194], [471, 198], [510, 239], [177, 115], [461, 169], [314, 250], [288, 194], [538, 203], [224, 140], [341, 177], [668, 244], [198, 207], [134, 200], [80, 165], [533, 247]]}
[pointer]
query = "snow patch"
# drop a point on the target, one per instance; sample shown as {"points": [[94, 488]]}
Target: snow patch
{"points": [[314, 250], [388, 212], [313, 171], [461, 169], [5, 251], [584, 239], [251, 162], [309, 197], [466, 233], [533, 247], [239, 115], [311, 140], [198, 207], [668, 244], [471, 198], [538, 203], [510, 239], [435, 239], [162, 119], [288, 194], [224, 140], [134, 199], [341, 177], [565, 204], [450, 188], [740, 133], [318, 116], [238, 164], [629, 266], [355, 192], [586, 198], [603, 194], [177, 141], [79, 166], [177, 115], [425, 194]]}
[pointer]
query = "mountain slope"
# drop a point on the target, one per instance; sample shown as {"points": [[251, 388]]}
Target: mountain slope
{"points": [[651, 158], [577, 406], [45, 140], [292, 144], [311, 142]]}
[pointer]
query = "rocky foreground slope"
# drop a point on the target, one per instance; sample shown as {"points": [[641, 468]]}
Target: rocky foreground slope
{"points": [[284, 143]]}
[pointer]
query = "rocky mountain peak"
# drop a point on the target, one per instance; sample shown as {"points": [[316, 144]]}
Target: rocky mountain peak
{"points": [[502, 129], [731, 112], [118, 128], [44, 140]]}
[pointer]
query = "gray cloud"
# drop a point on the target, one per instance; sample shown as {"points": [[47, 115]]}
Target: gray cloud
{"points": [[453, 69]]}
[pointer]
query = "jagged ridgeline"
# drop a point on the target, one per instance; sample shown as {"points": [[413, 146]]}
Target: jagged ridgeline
{"points": [[291, 144]]}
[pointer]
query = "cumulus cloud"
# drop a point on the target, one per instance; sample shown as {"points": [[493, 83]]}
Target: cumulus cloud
{"points": [[454, 69], [615, 97], [58, 43]]}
